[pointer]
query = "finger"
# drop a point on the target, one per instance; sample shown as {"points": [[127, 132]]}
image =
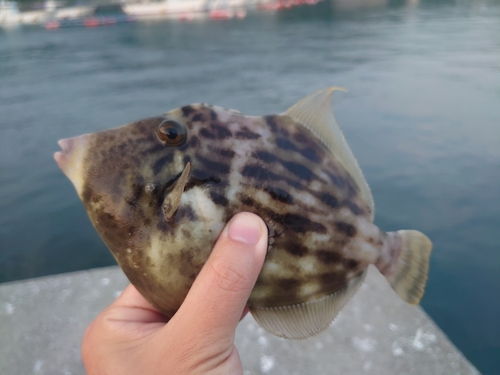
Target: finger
{"points": [[217, 299]]}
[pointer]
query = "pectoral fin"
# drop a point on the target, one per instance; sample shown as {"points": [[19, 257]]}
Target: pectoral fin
{"points": [[173, 198]]}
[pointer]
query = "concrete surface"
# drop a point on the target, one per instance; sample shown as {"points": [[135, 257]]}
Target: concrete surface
{"points": [[42, 322]]}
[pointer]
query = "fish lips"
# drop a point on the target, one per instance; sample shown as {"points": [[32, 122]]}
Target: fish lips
{"points": [[71, 158], [62, 157]]}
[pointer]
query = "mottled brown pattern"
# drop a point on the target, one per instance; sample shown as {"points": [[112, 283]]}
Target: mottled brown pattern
{"points": [[273, 166]]}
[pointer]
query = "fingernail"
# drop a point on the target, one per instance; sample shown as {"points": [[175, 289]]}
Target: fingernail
{"points": [[245, 228]]}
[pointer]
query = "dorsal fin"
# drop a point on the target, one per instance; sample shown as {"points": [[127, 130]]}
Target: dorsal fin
{"points": [[306, 319], [315, 113]]}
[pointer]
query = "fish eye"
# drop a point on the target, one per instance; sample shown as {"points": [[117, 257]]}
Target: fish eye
{"points": [[172, 133]]}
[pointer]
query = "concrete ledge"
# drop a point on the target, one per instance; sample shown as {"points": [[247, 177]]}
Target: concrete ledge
{"points": [[42, 322]]}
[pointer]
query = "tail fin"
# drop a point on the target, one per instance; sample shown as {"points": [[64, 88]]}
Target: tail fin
{"points": [[410, 275]]}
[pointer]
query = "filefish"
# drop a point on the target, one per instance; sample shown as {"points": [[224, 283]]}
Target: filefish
{"points": [[160, 190]]}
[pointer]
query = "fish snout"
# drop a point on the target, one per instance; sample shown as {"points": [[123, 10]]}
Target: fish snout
{"points": [[71, 158], [62, 156]]}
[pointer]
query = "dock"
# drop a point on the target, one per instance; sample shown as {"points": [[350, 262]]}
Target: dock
{"points": [[42, 322]]}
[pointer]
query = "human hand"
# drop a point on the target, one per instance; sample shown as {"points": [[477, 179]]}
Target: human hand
{"points": [[132, 337]]}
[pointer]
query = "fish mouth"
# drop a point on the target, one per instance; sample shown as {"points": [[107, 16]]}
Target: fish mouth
{"points": [[62, 157], [70, 158]]}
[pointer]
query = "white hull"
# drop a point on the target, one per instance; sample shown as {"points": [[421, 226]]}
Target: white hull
{"points": [[170, 7], [25, 18]]}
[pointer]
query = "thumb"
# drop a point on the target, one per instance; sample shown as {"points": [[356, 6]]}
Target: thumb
{"points": [[219, 294]]}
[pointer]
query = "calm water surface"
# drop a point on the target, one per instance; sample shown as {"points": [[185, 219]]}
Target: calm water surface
{"points": [[422, 116]]}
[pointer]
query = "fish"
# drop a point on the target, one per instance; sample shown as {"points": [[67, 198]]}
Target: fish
{"points": [[160, 190]]}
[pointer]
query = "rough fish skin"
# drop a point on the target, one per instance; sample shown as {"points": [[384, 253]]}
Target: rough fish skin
{"points": [[321, 232]]}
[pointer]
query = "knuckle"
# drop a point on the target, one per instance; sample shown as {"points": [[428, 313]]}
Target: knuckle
{"points": [[228, 278]]}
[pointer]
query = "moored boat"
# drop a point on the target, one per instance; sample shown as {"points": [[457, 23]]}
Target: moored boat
{"points": [[102, 15]]}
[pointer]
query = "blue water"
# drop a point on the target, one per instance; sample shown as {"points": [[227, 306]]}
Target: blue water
{"points": [[422, 115]]}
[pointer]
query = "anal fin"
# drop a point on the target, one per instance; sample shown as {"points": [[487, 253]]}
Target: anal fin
{"points": [[306, 319]]}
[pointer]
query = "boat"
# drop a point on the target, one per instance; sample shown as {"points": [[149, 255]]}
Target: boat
{"points": [[185, 10], [227, 9], [221, 14], [101, 15], [10, 15]]}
